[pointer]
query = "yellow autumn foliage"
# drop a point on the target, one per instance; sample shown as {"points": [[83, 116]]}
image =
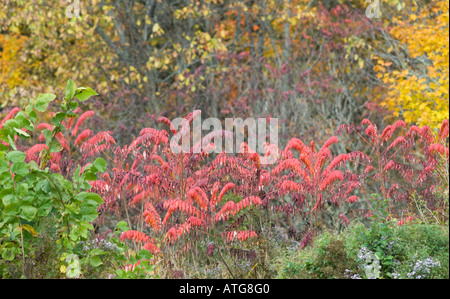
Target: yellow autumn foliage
{"points": [[12, 65], [419, 90]]}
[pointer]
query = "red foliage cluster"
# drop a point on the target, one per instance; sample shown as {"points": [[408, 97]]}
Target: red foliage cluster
{"points": [[170, 195], [313, 178], [411, 165]]}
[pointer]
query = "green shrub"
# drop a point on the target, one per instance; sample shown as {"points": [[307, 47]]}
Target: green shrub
{"points": [[43, 216], [326, 258], [413, 250]]}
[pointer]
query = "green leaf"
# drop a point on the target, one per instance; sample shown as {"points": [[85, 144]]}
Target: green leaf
{"points": [[73, 234], [88, 213], [89, 176], [11, 204], [145, 254], [379, 254], [55, 147], [86, 186], [47, 135], [87, 168], [70, 89], [5, 177], [76, 175], [91, 199], [100, 164], [16, 156], [11, 143], [95, 261], [33, 165], [71, 114], [45, 209], [7, 196], [22, 133], [24, 121], [73, 209], [28, 212], [4, 133], [43, 101], [73, 105], [58, 118], [20, 168], [12, 123], [123, 226], [22, 189], [86, 225], [84, 93], [96, 251], [33, 116], [28, 108], [4, 168], [9, 255]]}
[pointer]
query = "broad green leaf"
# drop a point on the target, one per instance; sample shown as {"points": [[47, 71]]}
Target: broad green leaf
{"points": [[43, 101], [22, 189], [28, 212], [100, 164], [12, 123], [89, 176], [33, 165], [9, 254], [16, 156], [145, 254], [20, 168], [91, 199], [97, 251], [86, 225], [28, 108], [55, 147], [5, 177], [76, 175], [58, 118], [73, 105], [11, 143], [22, 133], [70, 89], [7, 196], [4, 133], [84, 93], [11, 204], [123, 226], [73, 234], [47, 135], [71, 114], [33, 116], [4, 165], [44, 209], [73, 209], [88, 213], [24, 121], [95, 261]]}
